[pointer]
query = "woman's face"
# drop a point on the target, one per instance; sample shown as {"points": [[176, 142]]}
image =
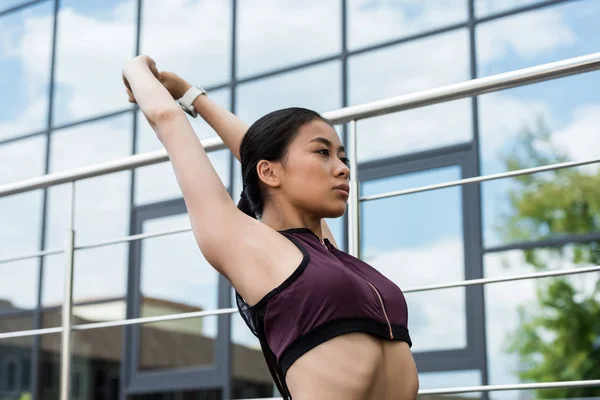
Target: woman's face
{"points": [[315, 177]]}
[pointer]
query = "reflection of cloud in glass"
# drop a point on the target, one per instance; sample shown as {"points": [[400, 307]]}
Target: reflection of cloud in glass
{"points": [[276, 33], [190, 38], [317, 87], [372, 21], [405, 69], [25, 43], [101, 203], [503, 299], [92, 47], [436, 318]]}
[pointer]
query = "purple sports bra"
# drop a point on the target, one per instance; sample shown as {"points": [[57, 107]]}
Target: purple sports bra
{"points": [[330, 293]]}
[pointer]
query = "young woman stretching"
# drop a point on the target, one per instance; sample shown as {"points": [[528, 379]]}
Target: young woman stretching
{"points": [[330, 326]]}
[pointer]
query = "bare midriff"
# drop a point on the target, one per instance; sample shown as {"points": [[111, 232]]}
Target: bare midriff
{"points": [[355, 366]]}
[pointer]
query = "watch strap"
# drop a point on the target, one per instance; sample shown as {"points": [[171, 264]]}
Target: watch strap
{"points": [[186, 102]]}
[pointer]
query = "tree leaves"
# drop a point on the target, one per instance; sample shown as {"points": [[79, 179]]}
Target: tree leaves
{"points": [[559, 336]]}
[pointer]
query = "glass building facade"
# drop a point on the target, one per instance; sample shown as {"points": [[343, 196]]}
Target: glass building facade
{"points": [[64, 106]]}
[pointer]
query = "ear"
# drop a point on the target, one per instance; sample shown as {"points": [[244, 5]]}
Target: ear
{"points": [[269, 172]]}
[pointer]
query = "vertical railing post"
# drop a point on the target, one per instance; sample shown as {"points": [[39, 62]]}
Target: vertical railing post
{"points": [[67, 307], [354, 200]]}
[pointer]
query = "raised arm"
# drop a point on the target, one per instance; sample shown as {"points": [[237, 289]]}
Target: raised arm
{"points": [[254, 263], [227, 125]]}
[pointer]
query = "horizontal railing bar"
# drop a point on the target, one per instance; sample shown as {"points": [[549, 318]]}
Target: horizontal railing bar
{"points": [[31, 255], [496, 388], [469, 88], [483, 281], [90, 171], [131, 238], [160, 318], [478, 179], [455, 91], [517, 386], [223, 311], [31, 332]]}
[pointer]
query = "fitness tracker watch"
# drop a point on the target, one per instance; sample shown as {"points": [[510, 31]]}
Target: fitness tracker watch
{"points": [[186, 102]]}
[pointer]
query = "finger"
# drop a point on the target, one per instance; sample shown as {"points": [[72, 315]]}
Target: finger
{"points": [[126, 84], [152, 66], [130, 96]]}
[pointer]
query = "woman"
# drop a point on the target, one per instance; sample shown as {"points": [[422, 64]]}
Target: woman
{"points": [[330, 326]]}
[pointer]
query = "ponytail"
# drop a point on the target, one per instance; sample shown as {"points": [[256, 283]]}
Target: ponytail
{"points": [[245, 205]]}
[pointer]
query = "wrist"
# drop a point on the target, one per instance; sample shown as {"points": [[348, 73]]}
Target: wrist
{"points": [[183, 87]]}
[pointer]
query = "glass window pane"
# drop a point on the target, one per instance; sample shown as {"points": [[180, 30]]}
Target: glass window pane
{"points": [[175, 278], [100, 276], [375, 21], [535, 323], [414, 242], [14, 323], [25, 49], [21, 222], [451, 379], [486, 7], [190, 38], [15, 354], [290, 90], [405, 69], [289, 32], [95, 40], [95, 368], [168, 345], [6, 4], [101, 203], [157, 182], [539, 124], [21, 214], [251, 378], [19, 285], [101, 210], [22, 159], [538, 37]]}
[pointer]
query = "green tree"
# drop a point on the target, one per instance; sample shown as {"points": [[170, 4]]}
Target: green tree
{"points": [[558, 338]]}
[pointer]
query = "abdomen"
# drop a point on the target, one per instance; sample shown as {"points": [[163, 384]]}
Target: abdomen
{"points": [[355, 366]]}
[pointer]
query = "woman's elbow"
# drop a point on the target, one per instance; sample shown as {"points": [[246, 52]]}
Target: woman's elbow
{"points": [[162, 115]]}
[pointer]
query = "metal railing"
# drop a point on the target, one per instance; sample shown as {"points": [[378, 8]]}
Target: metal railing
{"points": [[353, 114]]}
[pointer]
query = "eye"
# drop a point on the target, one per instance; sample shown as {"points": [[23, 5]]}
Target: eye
{"points": [[324, 150], [345, 160]]}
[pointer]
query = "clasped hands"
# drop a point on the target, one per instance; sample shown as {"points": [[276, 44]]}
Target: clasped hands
{"points": [[176, 85]]}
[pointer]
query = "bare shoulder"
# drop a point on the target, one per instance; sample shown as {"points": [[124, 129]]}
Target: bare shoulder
{"points": [[254, 257]]}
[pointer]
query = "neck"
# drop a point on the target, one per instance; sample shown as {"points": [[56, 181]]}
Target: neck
{"points": [[279, 217]]}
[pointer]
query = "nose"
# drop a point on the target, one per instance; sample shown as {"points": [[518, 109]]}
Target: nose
{"points": [[342, 170]]}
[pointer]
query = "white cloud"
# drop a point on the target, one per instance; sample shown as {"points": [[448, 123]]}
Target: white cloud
{"points": [[529, 35], [372, 21], [483, 7], [273, 34], [581, 137], [16, 47], [502, 117], [439, 262], [405, 69], [503, 300]]}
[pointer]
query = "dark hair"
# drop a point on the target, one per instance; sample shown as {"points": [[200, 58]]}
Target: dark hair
{"points": [[268, 139]]}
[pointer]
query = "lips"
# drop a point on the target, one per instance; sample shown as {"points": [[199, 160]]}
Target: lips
{"points": [[344, 186]]}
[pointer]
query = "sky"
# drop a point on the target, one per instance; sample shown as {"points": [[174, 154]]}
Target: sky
{"points": [[420, 244]]}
